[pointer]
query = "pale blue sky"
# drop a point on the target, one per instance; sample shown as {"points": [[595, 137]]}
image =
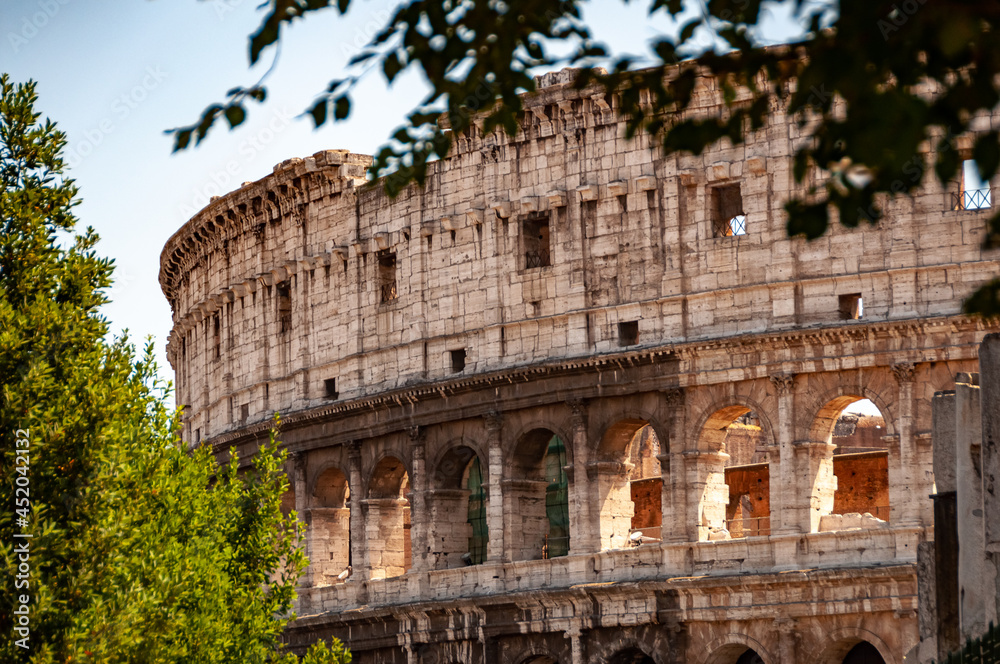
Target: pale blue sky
{"points": [[115, 74]]}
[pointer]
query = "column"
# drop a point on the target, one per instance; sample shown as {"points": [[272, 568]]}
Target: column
{"points": [[906, 491], [972, 590], [945, 526], [298, 483], [673, 499], [495, 552], [575, 644], [814, 482], [707, 493], [786, 501], [582, 529], [419, 514], [359, 548], [989, 381]]}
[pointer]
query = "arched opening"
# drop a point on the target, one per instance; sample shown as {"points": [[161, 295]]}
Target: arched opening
{"points": [[631, 656], [457, 508], [736, 653], [750, 656], [387, 525], [538, 491], [864, 653], [851, 479], [736, 501], [329, 535], [540, 659], [629, 485]]}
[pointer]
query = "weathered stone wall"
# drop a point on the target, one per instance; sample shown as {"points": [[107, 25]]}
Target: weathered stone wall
{"points": [[566, 283], [862, 484]]}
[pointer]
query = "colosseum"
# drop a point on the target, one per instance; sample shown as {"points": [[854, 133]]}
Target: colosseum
{"points": [[576, 402]]}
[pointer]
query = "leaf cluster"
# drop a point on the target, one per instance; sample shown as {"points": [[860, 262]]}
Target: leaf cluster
{"points": [[142, 551]]}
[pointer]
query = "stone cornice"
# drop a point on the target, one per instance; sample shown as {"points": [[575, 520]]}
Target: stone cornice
{"points": [[647, 357]]}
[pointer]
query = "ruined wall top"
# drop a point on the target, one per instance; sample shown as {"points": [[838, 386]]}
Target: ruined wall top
{"points": [[562, 243]]}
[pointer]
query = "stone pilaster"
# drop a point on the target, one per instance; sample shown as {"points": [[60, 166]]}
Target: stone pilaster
{"points": [[906, 490], [815, 482], [495, 551], [989, 374], [707, 493], [583, 513], [972, 589], [419, 512], [673, 499], [359, 547], [298, 483], [785, 495]]}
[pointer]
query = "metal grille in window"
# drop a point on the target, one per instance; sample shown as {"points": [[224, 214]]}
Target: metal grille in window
{"points": [[738, 224], [972, 199], [534, 259], [556, 500]]}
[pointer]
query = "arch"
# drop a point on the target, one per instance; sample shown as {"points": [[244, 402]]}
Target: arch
{"points": [[539, 486], [719, 414], [457, 535], [631, 656], [729, 649], [610, 423], [330, 488], [389, 478], [451, 464], [512, 442], [852, 484], [831, 403], [841, 641], [629, 483], [328, 539], [733, 469], [388, 519]]}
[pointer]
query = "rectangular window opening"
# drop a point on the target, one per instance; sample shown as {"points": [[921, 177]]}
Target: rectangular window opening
{"points": [[458, 360], [975, 194], [330, 388], [244, 412], [283, 304], [535, 238], [628, 333], [217, 336], [851, 306], [728, 216], [387, 276]]}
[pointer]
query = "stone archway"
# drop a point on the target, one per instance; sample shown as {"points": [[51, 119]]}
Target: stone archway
{"points": [[628, 483], [456, 507], [847, 464], [329, 536], [537, 497], [388, 519]]}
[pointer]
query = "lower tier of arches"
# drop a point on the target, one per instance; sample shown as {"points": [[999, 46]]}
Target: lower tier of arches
{"points": [[845, 616]]}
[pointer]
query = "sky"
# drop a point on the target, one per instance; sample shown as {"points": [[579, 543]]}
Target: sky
{"points": [[115, 74]]}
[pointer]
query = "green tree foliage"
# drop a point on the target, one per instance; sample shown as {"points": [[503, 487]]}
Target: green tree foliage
{"points": [[871, 83], [141, 551]]}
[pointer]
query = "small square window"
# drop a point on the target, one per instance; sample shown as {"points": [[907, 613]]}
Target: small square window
{"points": [[628, 333], [728, 216], [851, 306], [330, 388], [458, 360]]}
